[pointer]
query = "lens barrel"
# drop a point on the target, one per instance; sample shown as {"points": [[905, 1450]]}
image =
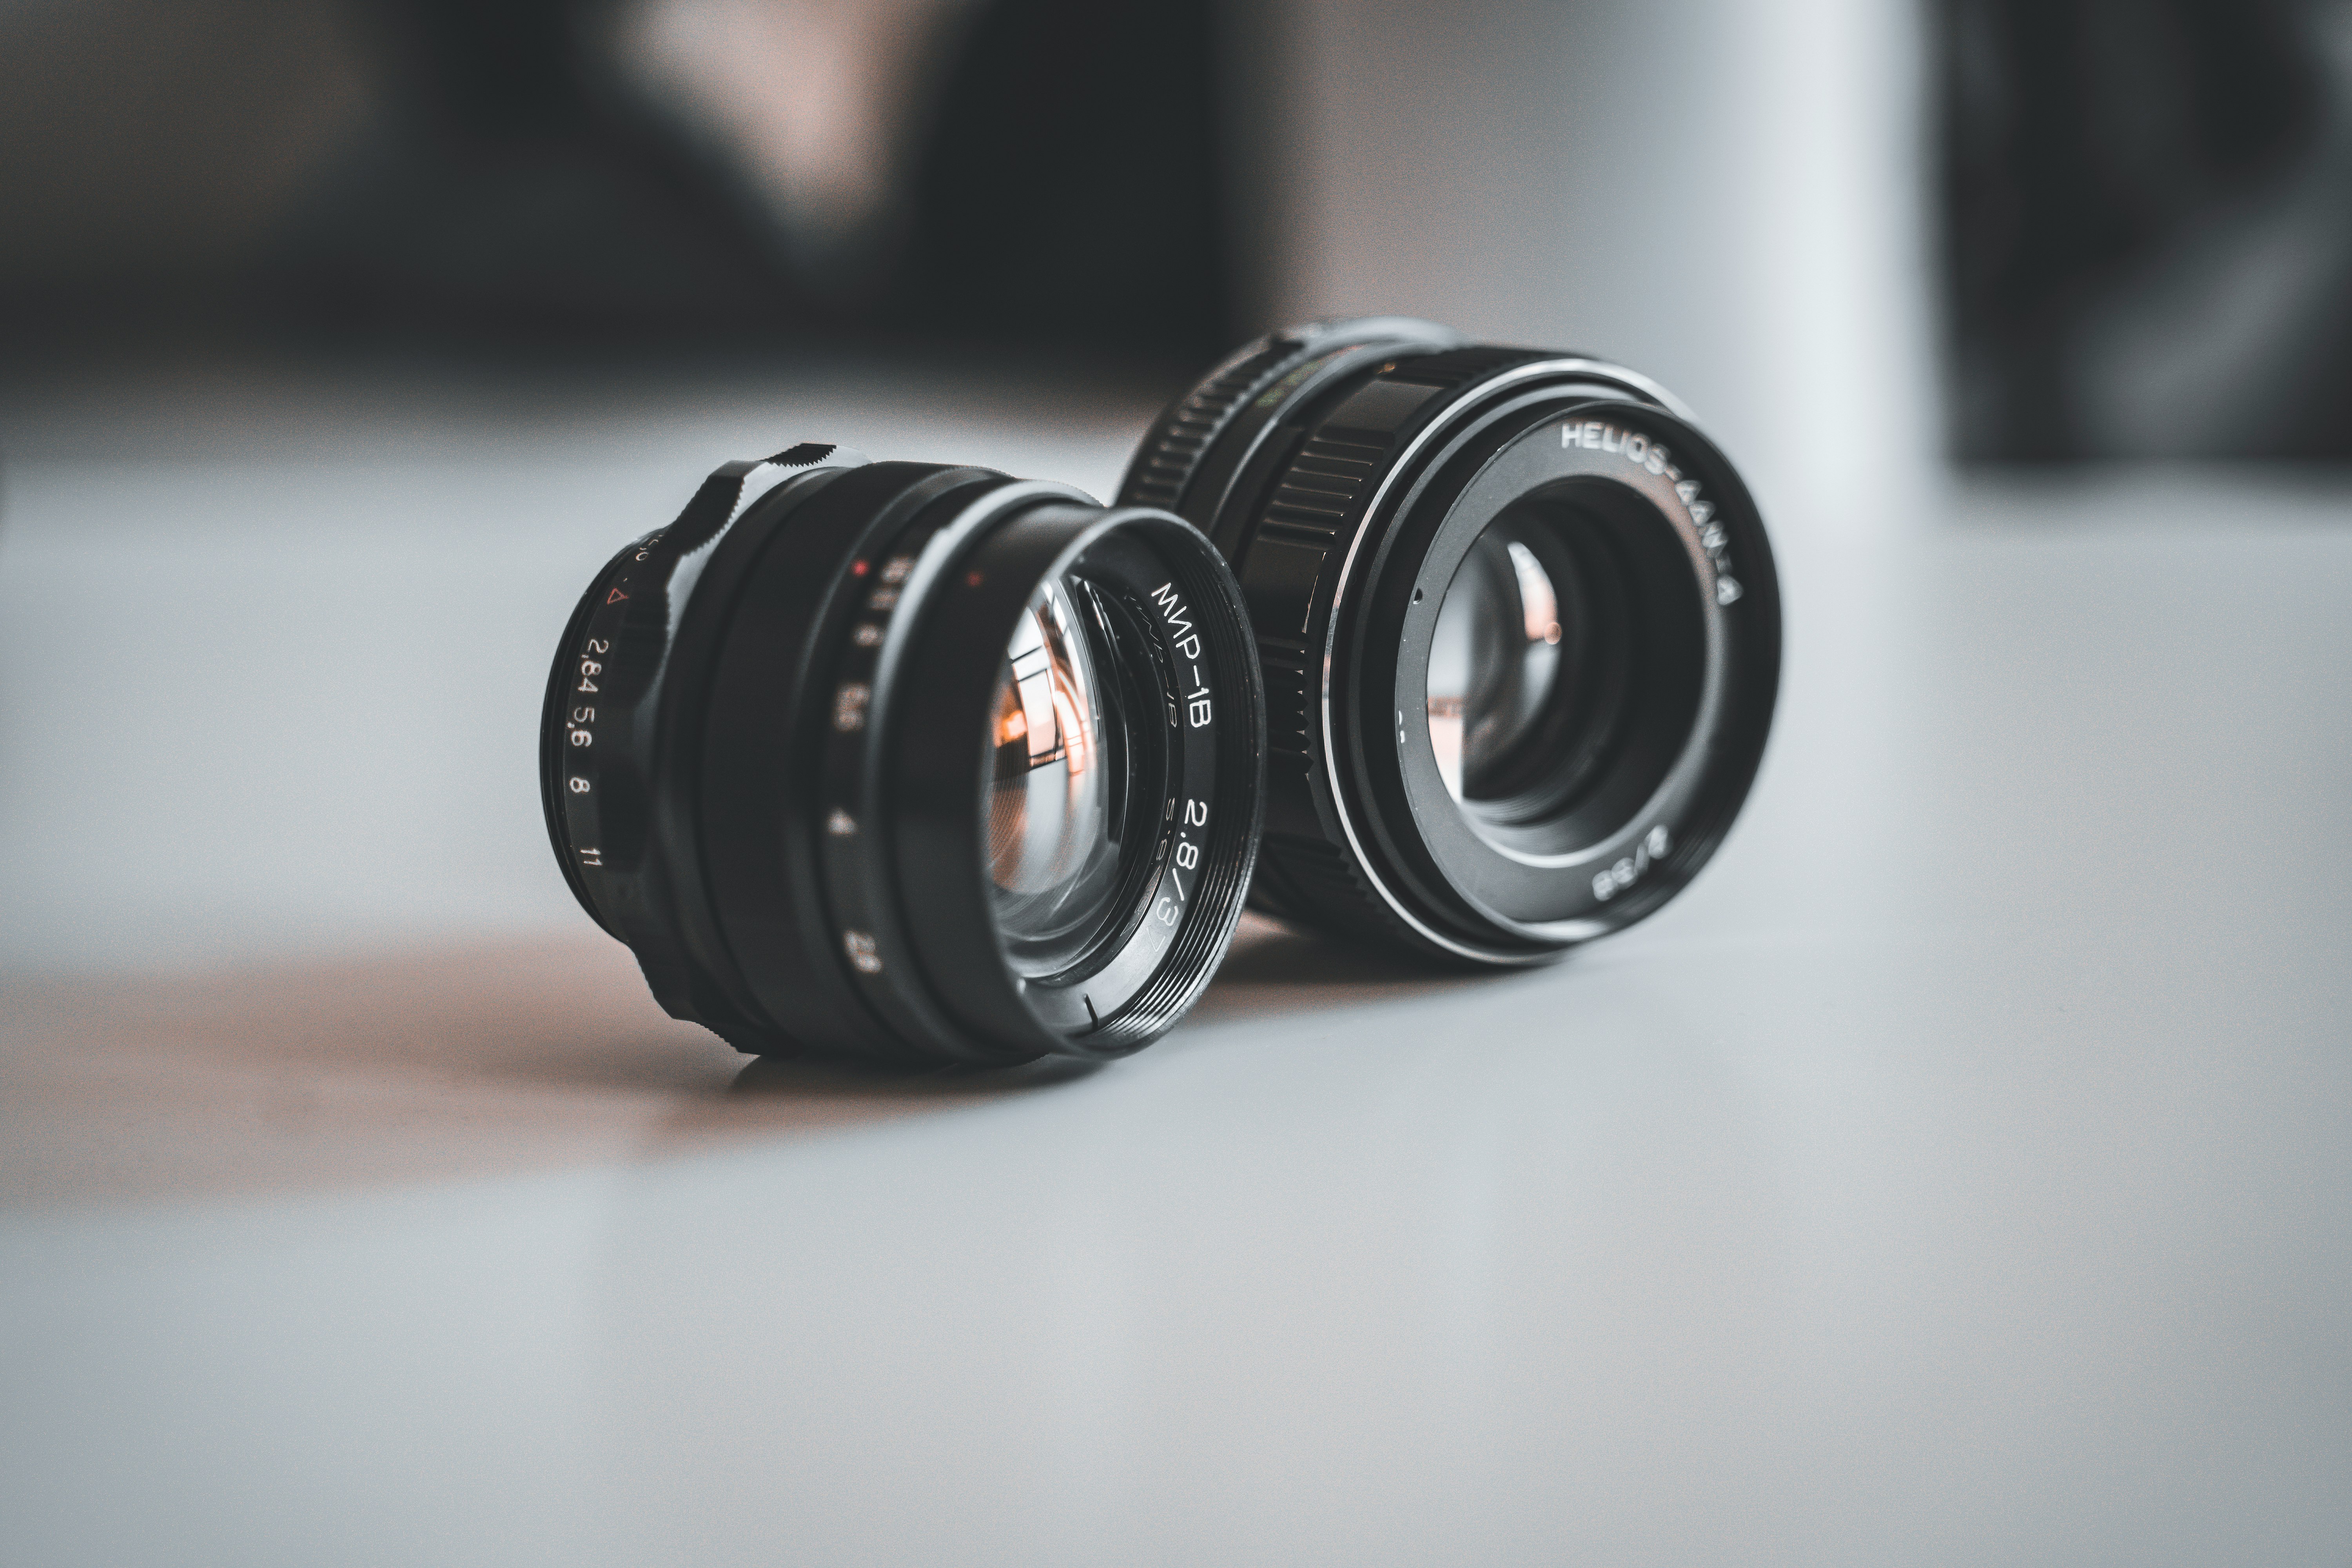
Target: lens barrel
{"points": [[910, 762], [1517, 619]]}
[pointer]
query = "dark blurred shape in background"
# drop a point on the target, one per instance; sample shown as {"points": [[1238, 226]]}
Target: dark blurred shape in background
{"points": [[2148, 203], [676, 173], [2150, 227]]}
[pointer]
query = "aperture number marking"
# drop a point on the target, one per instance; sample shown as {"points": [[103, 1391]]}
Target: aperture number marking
{"points": [[1170, 907], [578, 725], [1654, 847]]}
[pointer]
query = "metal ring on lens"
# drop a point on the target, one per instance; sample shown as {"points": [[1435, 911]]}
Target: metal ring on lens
{"points": [[777, 785], [1379, 454]]}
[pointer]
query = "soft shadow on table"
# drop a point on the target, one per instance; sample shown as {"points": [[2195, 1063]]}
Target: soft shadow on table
{"points": [[821, 1078], [497, 1058]]}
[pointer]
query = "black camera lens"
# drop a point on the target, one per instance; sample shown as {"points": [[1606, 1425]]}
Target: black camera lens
{"points": [[910, 762], [1518, 622]]}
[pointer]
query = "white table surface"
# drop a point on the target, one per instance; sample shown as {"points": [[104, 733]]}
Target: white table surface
{"points": [[1959, 1173]]}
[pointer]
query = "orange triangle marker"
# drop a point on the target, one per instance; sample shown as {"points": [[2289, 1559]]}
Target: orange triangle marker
{"points": [[614, 597]]}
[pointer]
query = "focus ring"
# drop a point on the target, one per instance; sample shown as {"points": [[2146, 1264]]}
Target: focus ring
{"points": [[1183, 440], [1171, 453]]}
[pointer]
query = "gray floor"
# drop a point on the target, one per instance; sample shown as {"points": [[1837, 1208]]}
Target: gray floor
{"points": [[1957, 1174]]}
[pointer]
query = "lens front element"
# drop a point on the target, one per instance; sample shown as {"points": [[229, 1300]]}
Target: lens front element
{"points": [[1494, 662], [1567, 668], [1054, 842]]}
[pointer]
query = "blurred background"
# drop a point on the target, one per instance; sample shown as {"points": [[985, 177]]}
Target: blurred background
{"points": [[2053, 232]]}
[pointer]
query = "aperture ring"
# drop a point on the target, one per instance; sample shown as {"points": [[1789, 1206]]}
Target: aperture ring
{"points": [[609, 768], [557, 776], [1210, 431], [1171, 453], [629, 738]]}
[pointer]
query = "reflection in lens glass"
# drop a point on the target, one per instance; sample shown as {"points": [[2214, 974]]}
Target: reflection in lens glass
{"points": [[1493, 661], [1053, 851]]}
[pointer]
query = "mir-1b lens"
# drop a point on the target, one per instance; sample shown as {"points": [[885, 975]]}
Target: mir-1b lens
{"points": [[911, 762], [1518, 620]]}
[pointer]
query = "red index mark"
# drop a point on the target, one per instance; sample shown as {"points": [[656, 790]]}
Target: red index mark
{"points": [[614, 597]]}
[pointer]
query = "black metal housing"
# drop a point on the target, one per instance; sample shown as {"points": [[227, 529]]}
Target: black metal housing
{"points": [[764, 745], [1345, 469]]}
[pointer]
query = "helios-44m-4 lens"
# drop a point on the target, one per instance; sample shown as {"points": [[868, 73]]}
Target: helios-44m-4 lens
{"points": [[912, 762], [1518, 620]]}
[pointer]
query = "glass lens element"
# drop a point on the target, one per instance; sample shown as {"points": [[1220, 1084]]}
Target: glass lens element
{"points": [[1493, 661], [1052, 841]]}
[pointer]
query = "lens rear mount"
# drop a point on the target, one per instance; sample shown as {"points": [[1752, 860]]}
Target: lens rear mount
{"points": [[768, 746], [1557, 756]]}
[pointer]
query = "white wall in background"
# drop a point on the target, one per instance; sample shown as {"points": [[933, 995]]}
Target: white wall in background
{"points": [[1726, 193]]}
